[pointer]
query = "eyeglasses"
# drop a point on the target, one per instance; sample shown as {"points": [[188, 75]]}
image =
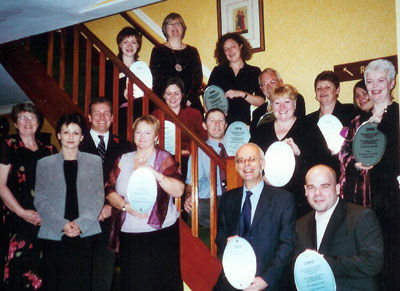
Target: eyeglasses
{"points": [[174, 24], [250, 160], [27, 117]]}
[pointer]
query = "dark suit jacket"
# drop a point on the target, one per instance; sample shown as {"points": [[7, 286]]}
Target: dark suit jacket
{"points": [[262, 109], [352, 245], [272, 232], [115, 148]]}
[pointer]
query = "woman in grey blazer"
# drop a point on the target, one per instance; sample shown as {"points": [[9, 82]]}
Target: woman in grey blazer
{"points": [[69, 196]]}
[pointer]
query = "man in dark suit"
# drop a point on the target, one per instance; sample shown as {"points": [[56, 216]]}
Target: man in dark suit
{"points": [[101, 142], [263, 215], [268, 80], [348, 235]]}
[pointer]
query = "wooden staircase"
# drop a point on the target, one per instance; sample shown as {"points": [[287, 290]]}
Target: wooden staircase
{"points": [[56, 92]]}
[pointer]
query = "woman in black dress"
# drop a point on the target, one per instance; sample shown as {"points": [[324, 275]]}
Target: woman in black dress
{"points": [[18, 157], [307, 143], [177, 59]]}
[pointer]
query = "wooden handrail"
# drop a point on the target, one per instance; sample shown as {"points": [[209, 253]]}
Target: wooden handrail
{"points": [[153, 97]]}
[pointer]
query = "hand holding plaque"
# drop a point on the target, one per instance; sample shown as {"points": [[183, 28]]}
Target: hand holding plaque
{"points": [[239, 263]]}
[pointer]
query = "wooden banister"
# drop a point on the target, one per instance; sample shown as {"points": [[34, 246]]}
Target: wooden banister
{"points": [[153, 97]]}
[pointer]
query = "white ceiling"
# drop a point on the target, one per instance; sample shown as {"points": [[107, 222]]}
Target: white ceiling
{"points": [[22, 18]]}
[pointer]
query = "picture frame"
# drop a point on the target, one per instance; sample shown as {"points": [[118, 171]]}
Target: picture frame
{"points": [[245, 17]]}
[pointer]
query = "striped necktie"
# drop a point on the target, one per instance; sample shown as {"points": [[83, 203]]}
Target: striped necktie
{"points": [[101, 148]]}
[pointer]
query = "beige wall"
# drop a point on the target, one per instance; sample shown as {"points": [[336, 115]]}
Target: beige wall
{"points": [[302, 38]]}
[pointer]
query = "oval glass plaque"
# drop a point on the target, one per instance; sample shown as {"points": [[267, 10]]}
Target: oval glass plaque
{"points": [[279, 164], [142, 71], [214, 97], [313, 273], [331, 127], [142, 190], [236, 135], [239, 263], [369, 144], [169, 137]]}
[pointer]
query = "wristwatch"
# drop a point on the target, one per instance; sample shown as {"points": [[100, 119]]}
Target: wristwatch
{"points": [[123, 207]]}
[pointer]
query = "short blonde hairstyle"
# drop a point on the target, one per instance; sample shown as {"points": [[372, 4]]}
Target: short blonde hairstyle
{"points": [[150, 120], [285, 90]]}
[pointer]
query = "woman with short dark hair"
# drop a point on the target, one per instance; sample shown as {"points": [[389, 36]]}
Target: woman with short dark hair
{"points": [[69, 196]]}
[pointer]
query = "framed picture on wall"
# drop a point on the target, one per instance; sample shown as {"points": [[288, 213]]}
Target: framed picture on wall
{"points": [[245, 17]]}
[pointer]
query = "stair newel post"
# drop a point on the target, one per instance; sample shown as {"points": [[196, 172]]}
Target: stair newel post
{"points": [[102, 74]]}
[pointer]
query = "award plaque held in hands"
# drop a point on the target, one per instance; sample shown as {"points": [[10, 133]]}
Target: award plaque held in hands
{"points": [[279, 164], [331, 127], [369, 144], [313, 273], [236, 135], [239, 263], [142, 190], [214, 97]]}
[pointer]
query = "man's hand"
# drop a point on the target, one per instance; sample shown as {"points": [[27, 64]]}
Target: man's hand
{"points": [[105, 212], [188, 203], [257, 284]]}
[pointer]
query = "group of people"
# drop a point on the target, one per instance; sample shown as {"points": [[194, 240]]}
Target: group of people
{"points": [[66, 214]]}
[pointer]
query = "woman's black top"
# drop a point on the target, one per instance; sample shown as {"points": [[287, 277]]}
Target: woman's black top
{"points": [[71, 199]]}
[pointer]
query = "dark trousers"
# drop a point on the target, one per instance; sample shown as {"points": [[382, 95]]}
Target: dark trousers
{"points": [[151, 261], [103, 259], [68, 264]]}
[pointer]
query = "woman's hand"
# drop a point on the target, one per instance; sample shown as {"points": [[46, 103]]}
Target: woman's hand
{"points": [[360, 166], [71, 229], [235, 94], [30, 216], [293, 145], [133, 212], [376, 119]]}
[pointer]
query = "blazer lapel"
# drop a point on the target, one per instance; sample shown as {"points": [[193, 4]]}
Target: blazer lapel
{"points": [[336, 218], [262, 206], [312, 227]]}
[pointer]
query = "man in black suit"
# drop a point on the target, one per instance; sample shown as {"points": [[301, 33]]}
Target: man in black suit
{"points": [[101, 142], [262, 214], [348, 235], [268, 80]]}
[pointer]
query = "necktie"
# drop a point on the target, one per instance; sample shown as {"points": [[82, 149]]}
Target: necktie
{"points": [[101, 148], [222, 174], [245, 217]]}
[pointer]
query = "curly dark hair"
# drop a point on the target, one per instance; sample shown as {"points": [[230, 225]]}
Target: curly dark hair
{"points": [[245, 51]]}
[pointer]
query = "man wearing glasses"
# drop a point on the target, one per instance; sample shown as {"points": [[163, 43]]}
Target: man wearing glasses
{"points": [[262, 214]]}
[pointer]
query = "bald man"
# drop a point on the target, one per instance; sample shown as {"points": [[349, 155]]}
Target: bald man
{"points": [[262, 214], [348, 235]]}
